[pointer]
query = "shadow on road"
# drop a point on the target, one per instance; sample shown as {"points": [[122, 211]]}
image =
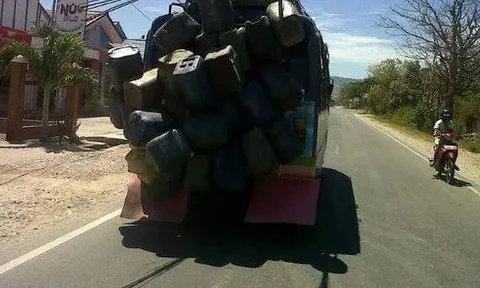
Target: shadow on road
{"points": [[218, 241], [86, 144], [456, 182], [461, 183]]}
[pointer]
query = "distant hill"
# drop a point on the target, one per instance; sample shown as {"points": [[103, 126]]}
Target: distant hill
{"points": [[339, 83]]}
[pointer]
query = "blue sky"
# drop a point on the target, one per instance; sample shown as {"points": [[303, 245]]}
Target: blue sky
{"points": [[348, 26]]}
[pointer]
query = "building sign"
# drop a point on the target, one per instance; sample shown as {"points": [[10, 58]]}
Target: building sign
{"points": [[9, 34], [70, 16]]}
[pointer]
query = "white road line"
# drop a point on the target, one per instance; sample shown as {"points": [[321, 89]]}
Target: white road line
{"points": [[337, 150], [475, 191], [393, 138], [67, 237]]}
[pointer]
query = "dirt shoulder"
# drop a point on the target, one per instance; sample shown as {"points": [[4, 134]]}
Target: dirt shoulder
{"points": [[468, 162], [42, 185]]}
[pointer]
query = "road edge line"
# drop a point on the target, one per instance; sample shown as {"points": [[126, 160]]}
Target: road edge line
{"points": [[57, 242], [425, 158]]}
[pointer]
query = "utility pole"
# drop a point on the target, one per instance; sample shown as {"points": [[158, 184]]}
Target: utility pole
{"points": [[54, 8]]}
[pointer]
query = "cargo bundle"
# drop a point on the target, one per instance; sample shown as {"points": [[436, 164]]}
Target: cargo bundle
{"points": [[214, 113]]}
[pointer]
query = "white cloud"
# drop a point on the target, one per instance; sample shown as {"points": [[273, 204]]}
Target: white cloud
{"points": [[328, 21], [344, 47], [347, 46], [156, 9]]}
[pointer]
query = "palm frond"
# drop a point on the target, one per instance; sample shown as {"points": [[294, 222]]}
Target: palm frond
{"points": [[69, 48], [44, 30], [86, 78], [12, 49]]}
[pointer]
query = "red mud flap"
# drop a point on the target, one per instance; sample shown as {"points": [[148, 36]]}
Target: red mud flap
{"points": [[290, 198], [172, 210]]}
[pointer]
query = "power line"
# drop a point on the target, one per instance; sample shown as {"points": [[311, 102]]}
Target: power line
{"points": [[101, 3], [134, 6], [121, 5]]}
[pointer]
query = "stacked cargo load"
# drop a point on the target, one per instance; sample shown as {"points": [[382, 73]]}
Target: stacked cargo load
{"points": [[227, 102]]}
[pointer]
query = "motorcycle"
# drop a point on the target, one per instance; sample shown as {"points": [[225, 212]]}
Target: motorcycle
{"points": [[447, 156]]}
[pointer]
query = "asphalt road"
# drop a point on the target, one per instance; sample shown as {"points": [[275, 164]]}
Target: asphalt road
{"points": [[383, 222]]}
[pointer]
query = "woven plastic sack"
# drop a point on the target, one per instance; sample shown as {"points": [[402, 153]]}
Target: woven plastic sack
{"points": [[125, 64], [206, 132], [216, 15], [260, 158], [168, 153], [179, 32], [287, 24], [283, 91], [145, 92]]}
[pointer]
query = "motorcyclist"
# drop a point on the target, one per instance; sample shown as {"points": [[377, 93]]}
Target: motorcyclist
{"points": [[442, 126]]}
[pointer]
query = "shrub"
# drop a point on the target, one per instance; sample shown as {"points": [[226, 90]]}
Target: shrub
{"points": [[403, 116], [467, 112], [423, 119], [471, 144]]}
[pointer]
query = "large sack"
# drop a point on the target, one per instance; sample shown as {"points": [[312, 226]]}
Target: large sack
{"points": [[168, 153], [252, 14], [198, 175], [235, 115], [179, 32], [206, 132], [176, 108], [284, 93], [238, 40], [161, 189], [260, 158], [311, 51], [114, 103], [217, 15], [193, 10], [261, 41], [191, 79], [298, 69], [152, 53], [206, 43], [229, 168], [284, 142], [255, 101], [287, 25], [144, 126], [224, 72], [125, 64], [126, 111], [174, 103], [137, 164], [145, 92]]}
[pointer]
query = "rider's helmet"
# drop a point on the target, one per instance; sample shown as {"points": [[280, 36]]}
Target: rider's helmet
{"points": [[446, 115]]}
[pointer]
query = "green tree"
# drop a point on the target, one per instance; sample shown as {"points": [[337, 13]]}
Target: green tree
{"points": [[445, 34], [55, 65], [383, 96]]}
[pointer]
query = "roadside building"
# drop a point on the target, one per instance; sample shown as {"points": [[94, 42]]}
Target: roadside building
{"points": [[17, 19]]}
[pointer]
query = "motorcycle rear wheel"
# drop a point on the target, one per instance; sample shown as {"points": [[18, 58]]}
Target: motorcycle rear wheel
{"points": [[450, 171]]}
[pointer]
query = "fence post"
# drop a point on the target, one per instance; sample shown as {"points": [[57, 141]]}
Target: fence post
{"points": [[18, 75], [71, 105]]}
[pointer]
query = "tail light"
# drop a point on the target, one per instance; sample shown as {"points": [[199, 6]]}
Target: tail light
{"points": [[300, 128]]}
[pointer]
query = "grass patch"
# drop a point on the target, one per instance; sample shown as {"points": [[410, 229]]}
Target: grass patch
{"points": [[404, 129], [471, 144]]}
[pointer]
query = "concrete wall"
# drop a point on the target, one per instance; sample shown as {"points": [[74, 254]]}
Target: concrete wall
{"points": [[19, 14]]}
